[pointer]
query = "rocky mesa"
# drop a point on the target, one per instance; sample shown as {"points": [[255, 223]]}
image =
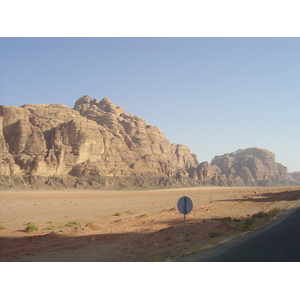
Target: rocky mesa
{"points": [[97, 144]]}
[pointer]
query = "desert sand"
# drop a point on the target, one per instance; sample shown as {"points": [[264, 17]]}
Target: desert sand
{"points": [[128, 226]]}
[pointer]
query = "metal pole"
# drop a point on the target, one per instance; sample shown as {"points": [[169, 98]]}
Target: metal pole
{"points": [[184, 223], [184, 232]]}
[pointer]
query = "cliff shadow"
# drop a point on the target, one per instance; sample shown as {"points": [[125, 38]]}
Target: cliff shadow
{"points": [[269, 197], [139, 246]]}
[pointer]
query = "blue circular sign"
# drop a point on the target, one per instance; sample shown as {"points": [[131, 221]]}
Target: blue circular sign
{"points": [[185, 205]]}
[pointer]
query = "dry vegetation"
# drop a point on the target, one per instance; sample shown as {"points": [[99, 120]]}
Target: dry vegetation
{"points": [[89, 225]]}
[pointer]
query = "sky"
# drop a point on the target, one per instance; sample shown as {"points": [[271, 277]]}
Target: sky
{"points": [[213, 94]]}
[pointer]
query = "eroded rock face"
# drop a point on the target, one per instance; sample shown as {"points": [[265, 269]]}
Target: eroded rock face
{"points": [[140, 149], [94, 138], [250, 166], [62, 147], [294, 177], [7, 163]]}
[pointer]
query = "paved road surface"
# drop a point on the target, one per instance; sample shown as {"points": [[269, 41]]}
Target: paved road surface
{"points": [[280, 242]]}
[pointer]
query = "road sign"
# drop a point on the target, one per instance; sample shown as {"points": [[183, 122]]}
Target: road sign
{"points": [[185, 205]]}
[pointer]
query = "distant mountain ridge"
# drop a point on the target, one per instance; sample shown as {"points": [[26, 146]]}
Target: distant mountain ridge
{"points": [[97, 144]]}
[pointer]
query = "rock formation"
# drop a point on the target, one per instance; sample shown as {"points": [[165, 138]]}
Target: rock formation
{"points": [[252, 166], [96, 138], [294, 177], [98, 144]]}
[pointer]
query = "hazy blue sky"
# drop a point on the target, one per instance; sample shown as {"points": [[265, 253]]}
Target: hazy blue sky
{"points": [[215, 95]]}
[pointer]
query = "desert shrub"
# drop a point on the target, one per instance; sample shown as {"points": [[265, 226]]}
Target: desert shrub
{"points": [[72, 224], [216, 240], [227, 219], [118, 214], [260, 215], [267, 216], [2, 227], [31, 227], [249, 221], [196, 248], [236, 220], [258, 219], [274, 212], [246, 225], [249, 224], [230, 228], [222, 219], [50, 227], [216, 233]]}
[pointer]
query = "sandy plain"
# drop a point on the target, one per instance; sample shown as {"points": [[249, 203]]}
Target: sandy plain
{"points": [[124, 226]]}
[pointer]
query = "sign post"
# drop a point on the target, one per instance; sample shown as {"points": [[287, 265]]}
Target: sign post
{"points": [[185, 206]]}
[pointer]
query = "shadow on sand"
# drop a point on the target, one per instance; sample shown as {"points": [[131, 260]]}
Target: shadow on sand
{"points": [[128, 246], [269, 197], [118, 247]]}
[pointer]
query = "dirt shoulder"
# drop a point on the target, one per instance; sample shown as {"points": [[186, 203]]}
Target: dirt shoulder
{"points": [[124, 225]]}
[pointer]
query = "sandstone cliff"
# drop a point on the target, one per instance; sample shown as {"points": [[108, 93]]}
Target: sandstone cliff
{"points": [[98, 144], [252, 166], [294, 177], [96, 138]]}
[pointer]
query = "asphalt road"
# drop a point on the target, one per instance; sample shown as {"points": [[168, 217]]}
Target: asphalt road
{"points": [[279, 242]]}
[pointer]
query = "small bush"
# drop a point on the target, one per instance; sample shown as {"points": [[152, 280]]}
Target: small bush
{"points": [[227, 219], [231, 228], [50, 227], [249, 221], [274, 212], [196, 248], [217, 240], [246, 225], [267, 216], [258, 219], [216, 233], [72, 224], [236, 220], [31, 227], [118, 214], [222, 219], [2, 227], [260, 215]]}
